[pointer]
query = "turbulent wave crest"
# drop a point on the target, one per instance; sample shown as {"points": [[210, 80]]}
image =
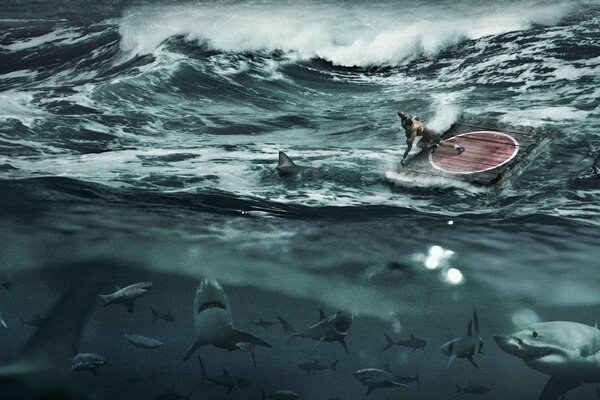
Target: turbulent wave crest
{"points": [[385, 34]]}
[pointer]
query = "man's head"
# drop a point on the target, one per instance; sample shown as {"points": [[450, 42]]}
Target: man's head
{"points": [[407, 119]]}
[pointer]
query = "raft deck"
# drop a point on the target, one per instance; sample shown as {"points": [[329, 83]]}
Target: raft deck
{"points": [[493, 153]]}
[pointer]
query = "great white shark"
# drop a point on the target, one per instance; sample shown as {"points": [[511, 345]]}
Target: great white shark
{"points": [[127, 295], [214, 323], [465, 346], [333, 328], [569, 352]]}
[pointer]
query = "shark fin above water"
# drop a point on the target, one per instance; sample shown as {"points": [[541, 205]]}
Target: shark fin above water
{"points": [[285, 161]]}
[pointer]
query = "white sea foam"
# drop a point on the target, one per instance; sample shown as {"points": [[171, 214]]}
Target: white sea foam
{"points": [[347, 35]]}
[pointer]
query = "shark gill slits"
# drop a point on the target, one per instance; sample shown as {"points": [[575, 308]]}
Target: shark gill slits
{"points": [[209, 305]]}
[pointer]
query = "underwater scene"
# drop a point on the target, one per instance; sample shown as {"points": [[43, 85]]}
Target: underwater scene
{"points": [[205, 200]]}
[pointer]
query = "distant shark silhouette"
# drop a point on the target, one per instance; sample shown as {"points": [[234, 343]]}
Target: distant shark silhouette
{"points": [[44, 364], [333, 328], [465, 346]]}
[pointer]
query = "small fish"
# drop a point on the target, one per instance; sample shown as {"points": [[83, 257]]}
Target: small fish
{"points": [[412, 342], [262, 323], [143, 342], [312, 368], [87, 362], [173, 395], [36, 322], [167, 317], [226, 380]]}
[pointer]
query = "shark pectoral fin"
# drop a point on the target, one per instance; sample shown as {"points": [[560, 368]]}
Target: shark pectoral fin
{"points": [[473, 362], [129, 305], [317, 345], [555, 389], [287, 328], [197, 344], [245, 337], [451, 360], [343, 342]]}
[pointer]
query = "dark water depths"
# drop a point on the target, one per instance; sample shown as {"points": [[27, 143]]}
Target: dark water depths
{"points": [[149, 134]]}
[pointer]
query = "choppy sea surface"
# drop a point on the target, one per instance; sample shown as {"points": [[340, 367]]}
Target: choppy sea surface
{"points": [[149, 134]]}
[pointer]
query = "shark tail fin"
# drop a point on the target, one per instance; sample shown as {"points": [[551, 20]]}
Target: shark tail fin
{"points": [[107, 299], [245, 337], [202, 369], [389, 342], [285, 160], [155, 315], [287, 328], [334, 365], [417, 380], [475, 322]]}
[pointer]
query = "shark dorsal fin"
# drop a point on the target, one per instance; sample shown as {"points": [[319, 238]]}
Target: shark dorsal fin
{"points": [[285, 161], [321, 314], [469, 329], [225, 373], [591, 147], [475, 322]]}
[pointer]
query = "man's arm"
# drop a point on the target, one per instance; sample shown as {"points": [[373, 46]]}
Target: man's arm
{"points": [[409, 143]]}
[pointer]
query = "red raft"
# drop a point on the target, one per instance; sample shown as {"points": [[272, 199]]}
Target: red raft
{"points": [[493, 153]]}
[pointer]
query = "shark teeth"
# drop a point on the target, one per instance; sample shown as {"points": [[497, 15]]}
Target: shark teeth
{"points": [[537, 355], [211, 304]]}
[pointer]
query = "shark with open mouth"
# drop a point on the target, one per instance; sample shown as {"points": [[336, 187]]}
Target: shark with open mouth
{"points": [[214, 323], [568, 352]]}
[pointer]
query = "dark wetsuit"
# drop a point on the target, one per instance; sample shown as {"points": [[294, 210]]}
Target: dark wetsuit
{"points": [[427, 135]]}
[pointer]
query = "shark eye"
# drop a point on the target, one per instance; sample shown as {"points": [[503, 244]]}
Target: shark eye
{"points": [[534, 334]]}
